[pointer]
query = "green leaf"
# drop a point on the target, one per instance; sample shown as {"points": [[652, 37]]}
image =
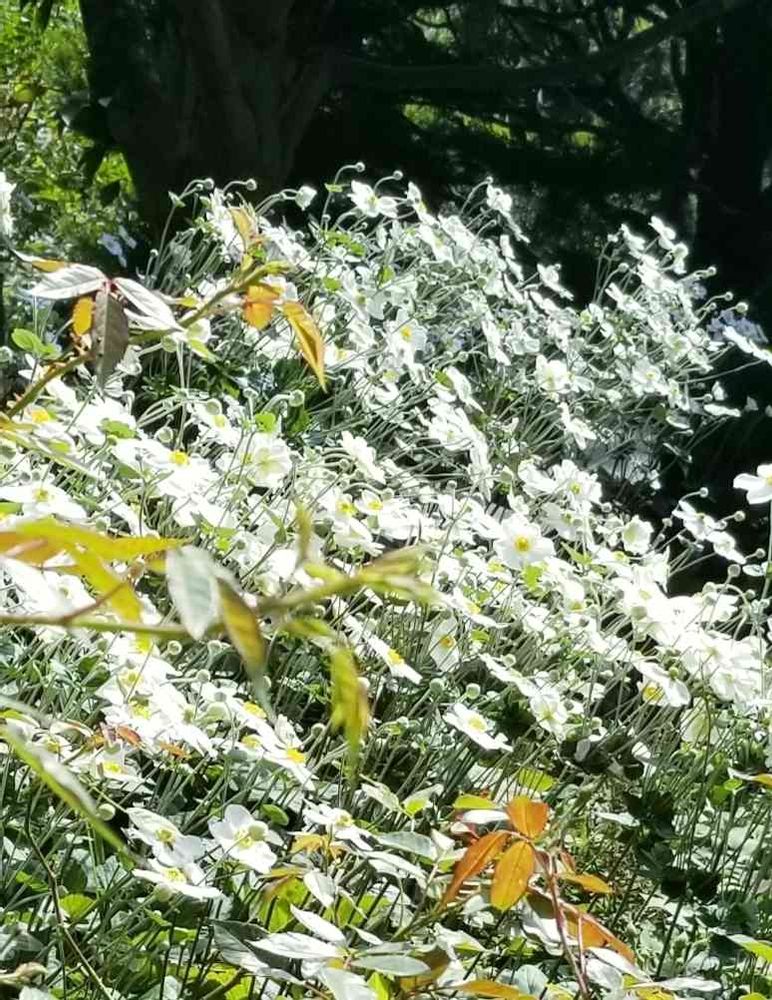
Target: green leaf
{"points": [[76, 905], [391, 965], [464, 802], [191, 575], [63, 783], [28, 341]]}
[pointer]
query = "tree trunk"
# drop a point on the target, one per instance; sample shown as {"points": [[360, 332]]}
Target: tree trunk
{"points": [[205, 88], [734, 229]]}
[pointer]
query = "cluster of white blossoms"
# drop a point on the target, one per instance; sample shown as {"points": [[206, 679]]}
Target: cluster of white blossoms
{"points": [[470, 410]]}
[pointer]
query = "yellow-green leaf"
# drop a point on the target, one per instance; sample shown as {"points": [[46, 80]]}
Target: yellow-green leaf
{"points": [[118, 548], [511, 875], [350, 710], [82, 316], [309, 338], [490, 988], [592, 883], [116, 591], [259, 305], [465, 802], [242, 627]]}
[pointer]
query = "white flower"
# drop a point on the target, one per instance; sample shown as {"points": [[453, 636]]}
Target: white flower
{"points": [[38, 499], [522, 543], [187, 880], [477, 728], [549, 711], [443, 647], [264, 459], [305, 196], [369, 203], [758, 487], [552, 376], [243, 838], [6, 217], [169, 845], [636, 536], [339, 824], [660, 688], [364, 456]]}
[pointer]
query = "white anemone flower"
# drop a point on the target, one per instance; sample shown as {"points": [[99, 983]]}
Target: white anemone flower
{"points": [[758, 487], [522, 543], [243, 838], [476, 727], [187, 880]]}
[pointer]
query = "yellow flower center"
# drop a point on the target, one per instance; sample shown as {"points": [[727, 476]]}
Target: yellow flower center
{"points": [[345, 507], [165, 836], [406, 333], [447, 642], [296, 756], [175, 875], [252, 742], [110, 767], [38, 415], [253, 709], [394, 658], [179, 458], [477, 723], [522, 544], [41, 494]]}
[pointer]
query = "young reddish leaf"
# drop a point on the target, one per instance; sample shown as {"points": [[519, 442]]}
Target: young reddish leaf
{"points": [[475, 858], [592, 883], [259, 304], [510, 877], [527, 816], [594, 934], [309, 338], [490, 988], [82, 315]]}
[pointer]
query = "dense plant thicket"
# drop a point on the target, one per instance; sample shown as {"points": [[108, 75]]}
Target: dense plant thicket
{"points": [[333, 664]]}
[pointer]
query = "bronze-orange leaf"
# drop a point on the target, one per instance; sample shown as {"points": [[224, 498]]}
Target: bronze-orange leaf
{"points": [[475, 858], [512, 873], [528, 816]]}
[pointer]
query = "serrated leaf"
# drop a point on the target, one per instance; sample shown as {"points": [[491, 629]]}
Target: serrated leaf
{"points": [[82, 316], [109, 334], [511, 875], [308, 336], [68, 282], [191, 576], [259, 305], [592, 883], [528, 816], [476, 857]]}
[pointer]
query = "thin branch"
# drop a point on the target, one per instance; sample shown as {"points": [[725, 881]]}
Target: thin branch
{"points": [[352, 71]]}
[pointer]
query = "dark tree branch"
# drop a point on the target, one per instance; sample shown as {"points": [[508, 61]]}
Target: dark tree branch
{"points": [[369, 75]]}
